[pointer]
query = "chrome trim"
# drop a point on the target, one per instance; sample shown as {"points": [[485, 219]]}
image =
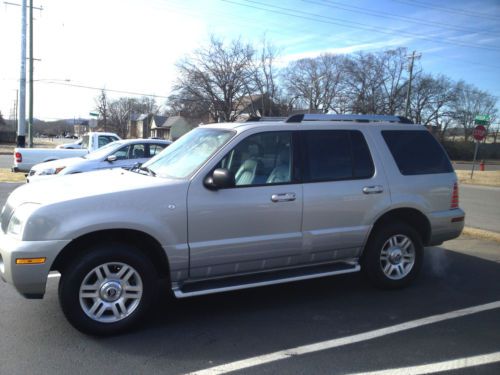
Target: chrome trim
{"points": [[180, 294]]}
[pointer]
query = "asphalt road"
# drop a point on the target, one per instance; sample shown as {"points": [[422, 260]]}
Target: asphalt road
{"points": [[5, 161], [182, 336], [482, 206]]}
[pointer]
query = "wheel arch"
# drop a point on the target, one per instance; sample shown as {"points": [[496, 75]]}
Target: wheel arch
{"points": [[148, 245], [411, 216]]}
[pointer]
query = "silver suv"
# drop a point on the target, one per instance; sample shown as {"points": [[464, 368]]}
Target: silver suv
{"points": [[234, 206]]}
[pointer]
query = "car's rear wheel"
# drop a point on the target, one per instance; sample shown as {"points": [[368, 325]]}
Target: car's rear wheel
{"points": [[393, 255], [107, 289]]}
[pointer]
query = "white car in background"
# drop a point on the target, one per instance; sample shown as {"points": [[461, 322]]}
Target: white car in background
{"points": [[118, 154]]}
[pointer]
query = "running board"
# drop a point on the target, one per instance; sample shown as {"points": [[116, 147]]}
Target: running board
{"points": [[262, 279]]}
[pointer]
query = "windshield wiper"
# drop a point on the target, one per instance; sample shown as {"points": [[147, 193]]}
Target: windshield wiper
{"points": [[140, 169], [150, 172]]}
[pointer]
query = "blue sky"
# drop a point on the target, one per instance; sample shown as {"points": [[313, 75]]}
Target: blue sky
{"points": [[132, 45]]}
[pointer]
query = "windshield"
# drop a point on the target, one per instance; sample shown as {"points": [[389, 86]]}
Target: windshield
{"points": [[183, 157], [104, 150]]}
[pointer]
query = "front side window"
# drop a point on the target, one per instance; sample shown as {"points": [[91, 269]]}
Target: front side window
{"points": [[183, 157], [333, 155], [122, 153], [261, 159]]}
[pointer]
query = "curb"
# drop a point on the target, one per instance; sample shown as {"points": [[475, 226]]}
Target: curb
{"points": [[481, 234]]}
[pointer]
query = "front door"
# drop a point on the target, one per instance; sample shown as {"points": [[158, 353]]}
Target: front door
{"points": [[255, 225]]}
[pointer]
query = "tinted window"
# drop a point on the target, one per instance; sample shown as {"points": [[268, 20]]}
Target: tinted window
{"points": [[336, 155], [417, 152]]}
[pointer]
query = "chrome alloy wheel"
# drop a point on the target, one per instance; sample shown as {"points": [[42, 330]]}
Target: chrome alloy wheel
{"points": [[110, 292], [397, 257]]}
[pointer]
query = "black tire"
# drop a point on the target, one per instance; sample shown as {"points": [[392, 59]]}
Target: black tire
{"points": [[396, 275], [113, 257]]}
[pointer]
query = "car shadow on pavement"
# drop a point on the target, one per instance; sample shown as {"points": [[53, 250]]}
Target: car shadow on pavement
{"points": [[246, 323]]}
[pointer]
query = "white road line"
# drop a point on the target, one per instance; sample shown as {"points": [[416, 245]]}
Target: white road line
{"points": [[335, 343], [432, 368]]}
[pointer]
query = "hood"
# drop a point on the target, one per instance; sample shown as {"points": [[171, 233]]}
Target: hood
{"points": [[84, 185]]}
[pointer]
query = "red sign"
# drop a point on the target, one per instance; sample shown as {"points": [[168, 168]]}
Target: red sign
{"points": [[479, 133]]}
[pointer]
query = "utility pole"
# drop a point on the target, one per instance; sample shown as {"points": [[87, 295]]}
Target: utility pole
{"points": [[30, 121], [413, 56], [21, 127]]}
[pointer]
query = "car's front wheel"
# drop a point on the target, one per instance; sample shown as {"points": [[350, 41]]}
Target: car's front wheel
{"points": [[107, 289], [393, 255]]}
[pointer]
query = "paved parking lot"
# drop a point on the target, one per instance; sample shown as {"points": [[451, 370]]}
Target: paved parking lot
{"points": [[337, 325]]}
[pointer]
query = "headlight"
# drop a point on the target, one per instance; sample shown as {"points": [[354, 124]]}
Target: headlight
{"points": [[49, 171], [20, 217]]}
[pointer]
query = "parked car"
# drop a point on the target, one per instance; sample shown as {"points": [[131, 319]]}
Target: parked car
{"points": [[26, 158], [118, 154], [234, 206]]}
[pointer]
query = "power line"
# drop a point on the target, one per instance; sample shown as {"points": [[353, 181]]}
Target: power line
{"points": [[387, 15], [462, 12], [350, 24], [105, 89]]}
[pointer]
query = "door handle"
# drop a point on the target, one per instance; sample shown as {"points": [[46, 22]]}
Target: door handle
{"points": [[285, 197], [375, 189]]}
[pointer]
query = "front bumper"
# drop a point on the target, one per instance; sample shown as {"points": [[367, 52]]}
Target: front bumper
{"points": [[28, 279], [446, 225]]}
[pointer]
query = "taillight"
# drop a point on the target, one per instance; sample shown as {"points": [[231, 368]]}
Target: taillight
{"points": [[19, 157], [454, 196]]}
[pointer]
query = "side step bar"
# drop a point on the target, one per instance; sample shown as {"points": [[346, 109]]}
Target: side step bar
{"points": [[263, 279]]}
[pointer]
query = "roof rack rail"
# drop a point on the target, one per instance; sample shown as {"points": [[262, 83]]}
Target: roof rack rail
{"points": [[354, 118]]}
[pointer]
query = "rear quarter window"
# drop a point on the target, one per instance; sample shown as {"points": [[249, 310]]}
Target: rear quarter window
{"points": [[416, 152]]}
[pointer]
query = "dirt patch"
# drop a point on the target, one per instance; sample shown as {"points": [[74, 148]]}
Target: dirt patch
{"points": [[7, 176], [487, 178]]}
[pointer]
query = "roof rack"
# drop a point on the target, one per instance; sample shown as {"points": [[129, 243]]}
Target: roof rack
{"points": [[354, 118]]}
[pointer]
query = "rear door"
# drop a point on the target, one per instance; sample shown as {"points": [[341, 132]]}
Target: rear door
{"points": [[344, 190]]}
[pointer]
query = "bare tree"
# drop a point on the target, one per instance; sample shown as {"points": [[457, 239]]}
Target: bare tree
{"points": [[394, 79], [102, 107], [264, 79], [317, 82], [470, 102], [219, 73], [2, 121], [431, 101], [365, 81]]}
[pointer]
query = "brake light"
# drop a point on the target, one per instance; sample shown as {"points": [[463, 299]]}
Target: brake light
{"points": [[454, 196], [19, 157]]}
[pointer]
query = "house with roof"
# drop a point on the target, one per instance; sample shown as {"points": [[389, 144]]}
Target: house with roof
{"points": [[172, 128], [139, 125]]}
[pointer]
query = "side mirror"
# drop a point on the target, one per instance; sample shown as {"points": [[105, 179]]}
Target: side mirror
{"points": [[221, 178], [111, 158]]}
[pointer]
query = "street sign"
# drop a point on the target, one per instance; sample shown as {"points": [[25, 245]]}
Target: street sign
{"points": [[93, 123], [479, 133], [482, 120], [96, 114]]}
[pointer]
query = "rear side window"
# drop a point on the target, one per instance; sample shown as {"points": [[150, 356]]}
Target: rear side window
{"points": [[417, 152], [336, 155]]}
